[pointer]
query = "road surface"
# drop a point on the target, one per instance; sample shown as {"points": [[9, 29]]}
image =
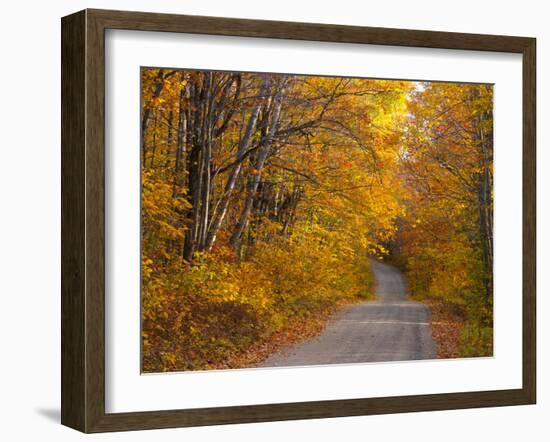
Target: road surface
{"points": [[391, 328]]}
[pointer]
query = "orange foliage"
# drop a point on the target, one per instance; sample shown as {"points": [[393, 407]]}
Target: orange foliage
{"points": [[264, 195]]}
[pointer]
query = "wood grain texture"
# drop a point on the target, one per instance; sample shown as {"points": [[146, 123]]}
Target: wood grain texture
{"points": [[83, 219], [73, 128], [529, 220], [95, 222], [144, 21]]}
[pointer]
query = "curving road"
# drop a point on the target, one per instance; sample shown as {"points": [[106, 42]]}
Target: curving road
{"points": [[388, 329]]}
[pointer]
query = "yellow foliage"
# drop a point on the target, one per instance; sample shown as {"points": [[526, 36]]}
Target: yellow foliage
{"points": [[234, 246]]}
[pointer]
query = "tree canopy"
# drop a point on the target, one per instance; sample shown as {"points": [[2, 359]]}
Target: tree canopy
{"points": [[264, 195]]}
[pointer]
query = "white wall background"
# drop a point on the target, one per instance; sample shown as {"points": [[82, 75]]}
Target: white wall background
{"points": [[30, 217]]}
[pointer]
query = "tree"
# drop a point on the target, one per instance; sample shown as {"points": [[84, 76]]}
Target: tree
{"points": [[263, 195]]}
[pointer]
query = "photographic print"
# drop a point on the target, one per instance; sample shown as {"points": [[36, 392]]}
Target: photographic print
{"points": [[299, 220]]}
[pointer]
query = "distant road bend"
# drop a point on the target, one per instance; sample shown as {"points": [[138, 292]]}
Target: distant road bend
{"points": [[391, 328]]}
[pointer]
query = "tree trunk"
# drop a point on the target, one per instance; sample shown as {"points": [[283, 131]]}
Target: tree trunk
{"points": [[154, 144], [244, 144], [147, 110], [486, 204], [206, 172], [192, 165], [263, 152], [181, 141]]}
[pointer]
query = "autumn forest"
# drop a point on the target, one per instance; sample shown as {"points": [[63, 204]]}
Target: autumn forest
{"points": [[266, 198]]}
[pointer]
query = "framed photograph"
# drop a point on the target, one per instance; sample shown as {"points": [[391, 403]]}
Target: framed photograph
{"points": [[267, 221]]}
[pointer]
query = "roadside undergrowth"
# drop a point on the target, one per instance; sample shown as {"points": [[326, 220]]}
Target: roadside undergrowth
{"points": [[455, 335], [226, 312], [447, 327]]}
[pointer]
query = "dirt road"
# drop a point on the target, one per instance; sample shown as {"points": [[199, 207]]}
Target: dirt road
{"points": [[391, 328]]}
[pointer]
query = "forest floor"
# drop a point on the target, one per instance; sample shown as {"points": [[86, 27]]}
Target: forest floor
{"points": [[447, 326], [293, 332]]}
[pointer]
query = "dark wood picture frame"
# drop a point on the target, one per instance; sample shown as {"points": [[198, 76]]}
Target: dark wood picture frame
{"points": [[83, 220]]}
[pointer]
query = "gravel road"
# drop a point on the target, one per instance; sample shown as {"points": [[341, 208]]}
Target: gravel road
{"points": [[391, 328]]}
